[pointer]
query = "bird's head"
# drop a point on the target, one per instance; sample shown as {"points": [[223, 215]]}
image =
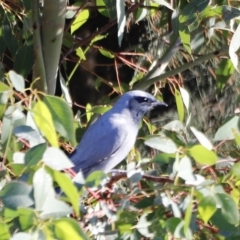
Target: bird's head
{"points": [[139, 103]]}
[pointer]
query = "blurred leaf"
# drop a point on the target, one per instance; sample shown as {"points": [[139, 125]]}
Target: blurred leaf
{"points": [[100, 109], [80, 53], [4, 231], [207, 207], [143, 226], [179, 103], [35, 154], [56, 159], [185, 97], [106, 53], [10, 40], [16, 194], [224, 72], [141, 13], [17, 80], [80, 20], [62, 117], [89, 113], [68, 188], [202, 155], [172, 223], [32, 136], [161, 143], [27, 218], [225, 131], [24, 60], [67, 228], [43, 119], [45, 197], [21, 236], [94, 179], [13, 117], [205, 142], [185, 170], [102, 8], [145, 203], [111, 8], [229, 208]]}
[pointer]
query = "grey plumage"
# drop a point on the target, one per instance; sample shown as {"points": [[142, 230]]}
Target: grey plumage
{"points": [[111, 137]]}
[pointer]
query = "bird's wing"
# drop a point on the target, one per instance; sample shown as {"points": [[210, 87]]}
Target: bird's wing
{"points": [[101, 140]]}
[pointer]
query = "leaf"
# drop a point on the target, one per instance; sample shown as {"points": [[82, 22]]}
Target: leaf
{"points": [[121, 19], [185, 170], [16, 194], [89, 113], [68, 188], [13, 117], [224, 72], [94, 179], [180, 107], [4, 231], [24, 60], [225, 131], [106, 53], [21, 236], [141, 13], [56, 159], [162, 143], [229, 208], [202, 155], [44, 196], [44, 122], [27, 218], [80, 54], [102, 8], [80, 20], [62, 117], [185, 97], [16, 80], [66, 228], [32, 136], [207, 207], [34, 155], [205, 142], [234, 48]]}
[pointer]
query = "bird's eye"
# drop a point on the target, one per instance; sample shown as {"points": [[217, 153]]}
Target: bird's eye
{"points": [[142, 99]]}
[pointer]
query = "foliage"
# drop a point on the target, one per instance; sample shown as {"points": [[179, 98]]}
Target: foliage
{"points": [[185, 187]]}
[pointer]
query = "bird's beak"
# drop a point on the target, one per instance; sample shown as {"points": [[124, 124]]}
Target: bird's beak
{"points": [[158, 103]]}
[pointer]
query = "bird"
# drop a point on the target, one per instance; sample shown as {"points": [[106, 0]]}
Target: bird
{"points": [[109, 139]]}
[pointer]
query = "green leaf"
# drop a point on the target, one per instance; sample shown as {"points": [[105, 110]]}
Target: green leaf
{"points": [[89, 113], [225, 132], [35, 154], [207, 207], [80, 53], [44, 122], [27, 217], [224, 72], [17, 80], [185, 97], [4, 231], [66, 228], [106, 53], [180, 107], [102, 8], [80, 20], [229, 208], [24, 60], [202, 155], [94, 179], [16, 194], [68, 188], [62, 117]]}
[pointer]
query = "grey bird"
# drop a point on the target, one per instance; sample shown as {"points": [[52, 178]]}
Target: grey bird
{"points": [[111, 137]]}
